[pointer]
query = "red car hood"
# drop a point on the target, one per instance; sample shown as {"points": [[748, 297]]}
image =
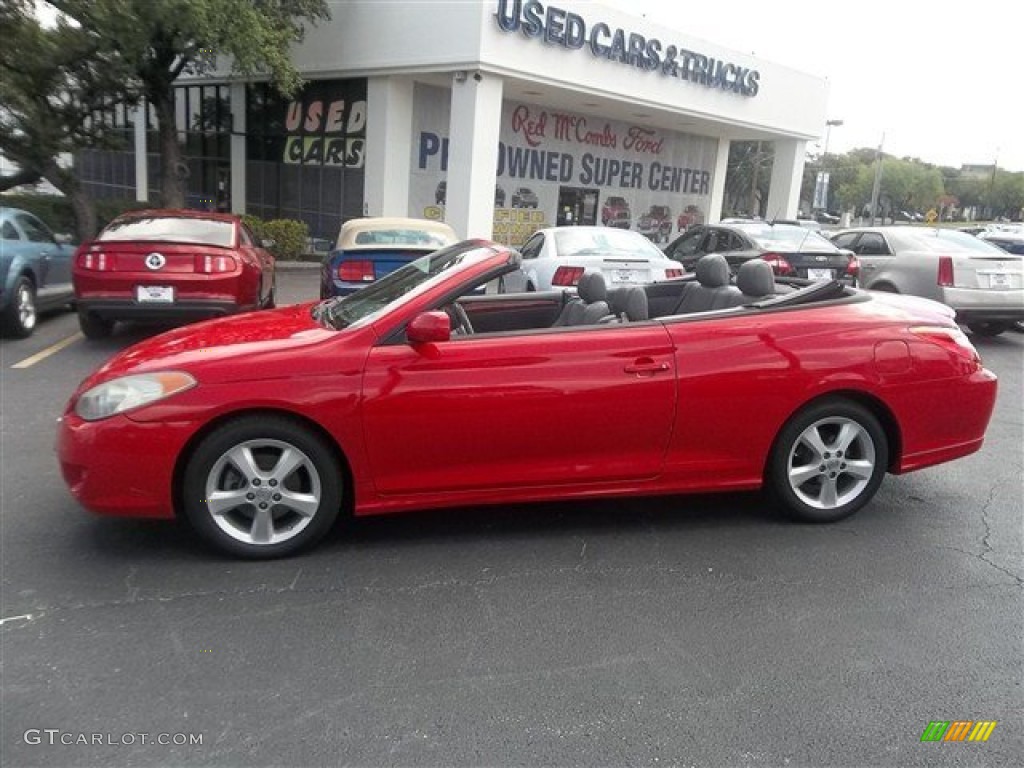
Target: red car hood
{"points": [[224, 349]]}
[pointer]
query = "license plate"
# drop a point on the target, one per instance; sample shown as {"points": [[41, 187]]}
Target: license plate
{"points": [[998, 280], [819, 274], [624, 276], [154, 294]]}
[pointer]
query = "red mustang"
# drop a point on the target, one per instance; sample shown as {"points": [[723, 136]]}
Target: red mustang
{"points": [[419, 391], [170, 265]]}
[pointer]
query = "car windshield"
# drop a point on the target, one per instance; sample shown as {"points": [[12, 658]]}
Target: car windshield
{"points": [[415, 276], [417, 237], [945, 241], [171, 229], [786, 237], [577, 241]]}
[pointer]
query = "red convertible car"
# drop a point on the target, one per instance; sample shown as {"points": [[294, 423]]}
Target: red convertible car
{"points": [[418, 392]]}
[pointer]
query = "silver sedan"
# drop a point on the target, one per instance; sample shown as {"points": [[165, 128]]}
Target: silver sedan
{"points": [[984, 284]]}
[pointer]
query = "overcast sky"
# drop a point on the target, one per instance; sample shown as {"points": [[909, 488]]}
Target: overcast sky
{"points": [[943, 81]]}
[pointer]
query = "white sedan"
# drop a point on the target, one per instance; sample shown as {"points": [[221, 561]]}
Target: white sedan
{"points": [[557, 257]]}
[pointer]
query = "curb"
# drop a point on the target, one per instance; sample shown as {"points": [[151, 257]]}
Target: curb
{"points": [[297, 266]]}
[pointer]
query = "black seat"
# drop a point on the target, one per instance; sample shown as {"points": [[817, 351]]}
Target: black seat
{"points": [[755, 280], [628, 303], [712, 289], [589, 306]]}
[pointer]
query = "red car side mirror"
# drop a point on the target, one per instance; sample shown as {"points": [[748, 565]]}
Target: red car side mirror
{"points": [[429, 327]]}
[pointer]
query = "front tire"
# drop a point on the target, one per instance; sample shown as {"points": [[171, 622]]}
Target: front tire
{"points": [[989, 329], [262, 487], [20, 318], [828, 461]]}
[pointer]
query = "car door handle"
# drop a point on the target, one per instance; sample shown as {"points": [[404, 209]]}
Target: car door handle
{"points": [[646, 365]]}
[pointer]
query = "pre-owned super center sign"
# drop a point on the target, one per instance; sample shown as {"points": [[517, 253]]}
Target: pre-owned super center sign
{"points": [[556, 26]]}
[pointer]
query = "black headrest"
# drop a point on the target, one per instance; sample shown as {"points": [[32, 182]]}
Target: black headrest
{"points": [[591, 287], [636, 303], [755, 278], [713, 271]]}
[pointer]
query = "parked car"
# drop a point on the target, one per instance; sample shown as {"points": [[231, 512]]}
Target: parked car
{"points": [[160, 265], [1009, 240], [792, 250], [615, 213], [35, 271], [369, 248], [691, 216], [984, 284], [824, 217], [656, 224], [556, 258], [524, 197], [417, 393]]}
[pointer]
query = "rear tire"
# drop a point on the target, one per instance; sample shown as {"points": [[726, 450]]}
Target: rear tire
{"points": [[20, 317], [989, 329], [828, 461], [262, 487], [93, 326]]}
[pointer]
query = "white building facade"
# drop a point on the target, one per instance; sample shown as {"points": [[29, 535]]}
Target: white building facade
{"points": [[502, 117]]}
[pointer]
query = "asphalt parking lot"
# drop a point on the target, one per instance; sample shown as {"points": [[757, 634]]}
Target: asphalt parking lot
{"points": [[696, 631]]}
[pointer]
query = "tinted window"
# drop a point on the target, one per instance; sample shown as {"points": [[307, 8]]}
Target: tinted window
{"points": [[872, 244], [532, 247], [9, 232], [686, 245], [845, 240], [34, 230], [171, 229]]}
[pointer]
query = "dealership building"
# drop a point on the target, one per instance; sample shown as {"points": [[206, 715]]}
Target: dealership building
{"points": [[498, 116]]}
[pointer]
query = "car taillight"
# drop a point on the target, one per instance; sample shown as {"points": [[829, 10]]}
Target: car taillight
{"points": [[358, 271], [207, 264], [671, 273], [853, 266], [567, 276], [946, 271], [779, 264], [97, 261]]}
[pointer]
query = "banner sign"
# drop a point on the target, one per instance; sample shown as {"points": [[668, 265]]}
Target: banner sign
{"points": [[327, 125], [556, 167]]}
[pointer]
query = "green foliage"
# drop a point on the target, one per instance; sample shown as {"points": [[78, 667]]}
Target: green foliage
{"points": [[290, 237]]}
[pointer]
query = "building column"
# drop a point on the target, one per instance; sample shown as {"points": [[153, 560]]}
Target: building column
{"points": [[238, 149], [718, 182], [388, 146], [141, 159], [787, 177], [473, 151]]}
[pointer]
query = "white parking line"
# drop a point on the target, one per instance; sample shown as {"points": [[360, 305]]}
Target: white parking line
{"points": [[51, 350]]}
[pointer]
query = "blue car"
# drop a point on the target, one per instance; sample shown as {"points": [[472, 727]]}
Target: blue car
{"points": [[35, 271], [367, 249]]}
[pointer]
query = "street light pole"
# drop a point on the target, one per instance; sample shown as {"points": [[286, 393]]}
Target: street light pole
{"points": [[828, 132], [877, 186]]}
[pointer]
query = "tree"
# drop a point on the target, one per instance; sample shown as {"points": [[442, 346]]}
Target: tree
{"points": [[158, 41], [748, 176], [55, 85]]}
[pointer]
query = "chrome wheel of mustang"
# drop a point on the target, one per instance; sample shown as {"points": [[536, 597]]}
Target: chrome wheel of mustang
{"points": [[262, 487], [828, 461]]}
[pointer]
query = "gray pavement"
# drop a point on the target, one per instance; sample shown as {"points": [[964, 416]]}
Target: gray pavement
{"points": [[680, 631]]}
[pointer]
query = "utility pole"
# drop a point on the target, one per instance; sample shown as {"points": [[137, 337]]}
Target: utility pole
{"points": [[877, 187]]}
